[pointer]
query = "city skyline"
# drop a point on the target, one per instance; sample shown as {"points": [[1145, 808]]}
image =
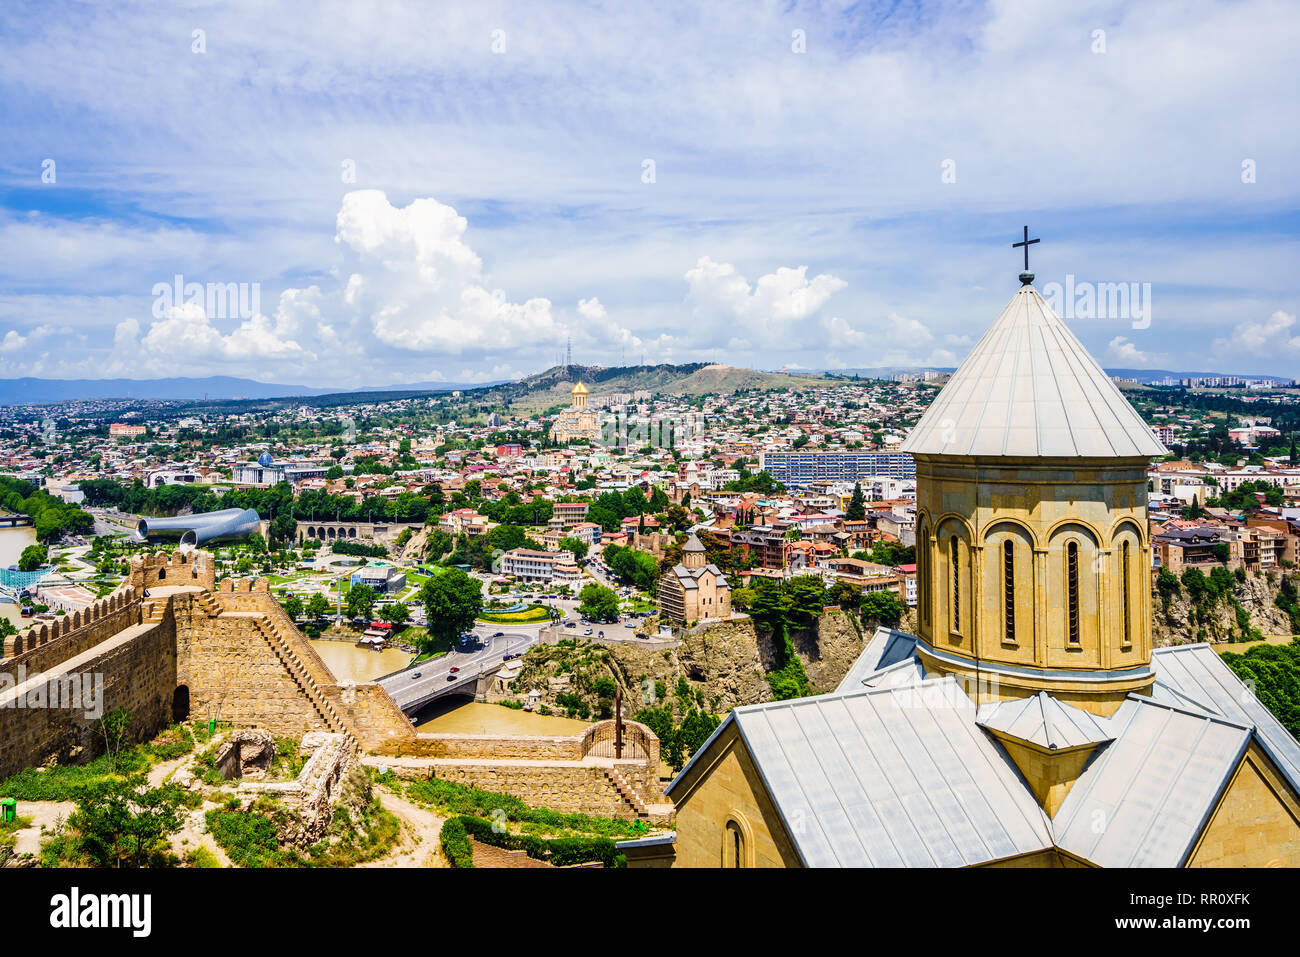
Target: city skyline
{"points": [[453, 196]]}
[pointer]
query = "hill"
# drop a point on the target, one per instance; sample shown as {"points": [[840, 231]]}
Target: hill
{"points": [[553, 386]]}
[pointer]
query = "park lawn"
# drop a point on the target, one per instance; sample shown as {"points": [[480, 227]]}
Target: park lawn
{"points": [[536, 613]]}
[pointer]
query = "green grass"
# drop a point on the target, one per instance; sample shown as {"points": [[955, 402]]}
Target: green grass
{"points": [[534, 613], [69, 782], [459, 799]]}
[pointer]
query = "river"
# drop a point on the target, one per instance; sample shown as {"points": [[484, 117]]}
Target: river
{"points": [[458, 716], [348, 662], [12, 543]]}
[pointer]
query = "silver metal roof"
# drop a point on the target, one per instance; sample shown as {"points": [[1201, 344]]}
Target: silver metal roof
{"points": [[1145, 798], [906, 672], [886, 647], [1030, 388], [886, 779], [1046, 722], [1198, 672]]}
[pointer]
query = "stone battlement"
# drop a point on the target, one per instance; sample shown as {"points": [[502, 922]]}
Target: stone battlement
{"points": [[184, 566], [68, 635]]}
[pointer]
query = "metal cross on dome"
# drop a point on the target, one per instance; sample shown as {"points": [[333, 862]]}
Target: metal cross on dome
{"points": [[1026, 276]]}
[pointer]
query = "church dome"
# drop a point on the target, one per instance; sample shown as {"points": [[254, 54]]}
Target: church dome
{"points": [[1030, 389], [579, 389]]}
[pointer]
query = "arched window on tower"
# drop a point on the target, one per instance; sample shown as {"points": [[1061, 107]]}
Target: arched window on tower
{"points": [[1126, 594], [922, 573], [1009, 592], [954, 566], [1072, 591]]}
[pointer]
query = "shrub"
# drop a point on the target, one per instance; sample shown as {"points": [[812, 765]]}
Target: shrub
{"points": [[456, 844]]}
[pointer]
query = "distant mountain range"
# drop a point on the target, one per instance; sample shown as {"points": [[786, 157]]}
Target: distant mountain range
{"points": [[28, 390], [537, 391]]}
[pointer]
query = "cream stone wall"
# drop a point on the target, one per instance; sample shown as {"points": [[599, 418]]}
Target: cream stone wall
{"points": [[1257, 822], [1041, 507], [729, 788]]}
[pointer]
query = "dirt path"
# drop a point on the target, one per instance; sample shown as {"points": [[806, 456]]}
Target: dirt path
{"points": [[194, 834], [43, 814], [421, 829]]}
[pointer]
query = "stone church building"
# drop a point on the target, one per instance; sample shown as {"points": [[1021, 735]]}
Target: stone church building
{"points": [[577, 422], [1029, 722], [694, 589]]}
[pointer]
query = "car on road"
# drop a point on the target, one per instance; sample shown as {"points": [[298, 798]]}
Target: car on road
{"points": [[642, 634], [498, 634], [453, 669], [587, 632], [570, 624], [416, 675], [600, 634], [451, 677]]}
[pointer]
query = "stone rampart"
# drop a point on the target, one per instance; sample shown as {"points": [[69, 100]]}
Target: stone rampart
{"points": [[43, 721], [45, 644]]}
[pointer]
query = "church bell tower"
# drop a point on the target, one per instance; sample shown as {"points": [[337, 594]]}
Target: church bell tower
{"points": [[1032, 547]]}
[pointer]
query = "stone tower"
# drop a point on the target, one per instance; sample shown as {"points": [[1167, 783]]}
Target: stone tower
{"points": [[693, 554], [1033, 554]]}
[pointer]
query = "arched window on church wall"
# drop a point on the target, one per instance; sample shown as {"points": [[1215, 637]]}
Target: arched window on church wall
{"points": [[1074, 597], [954, 576]]}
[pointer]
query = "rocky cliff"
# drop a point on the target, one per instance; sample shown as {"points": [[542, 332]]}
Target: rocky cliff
{"points": [[1184, 621], [722, 665]]}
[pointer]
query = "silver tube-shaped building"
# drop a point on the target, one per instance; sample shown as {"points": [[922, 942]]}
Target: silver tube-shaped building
{"points": [[223, 525]]}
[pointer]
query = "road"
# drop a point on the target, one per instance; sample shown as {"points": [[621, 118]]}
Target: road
{"points": [[403, 688]]}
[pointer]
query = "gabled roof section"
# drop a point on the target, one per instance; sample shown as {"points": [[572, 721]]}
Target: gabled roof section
{"points": [[1029, 388], [881, 779], [1145, 798], [909, 671], [1042, 721], [886, 647], [1198, 672]]}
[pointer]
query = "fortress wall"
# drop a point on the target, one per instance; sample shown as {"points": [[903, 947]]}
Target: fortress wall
{"points": [[234, 673], [255, 596], [138, 674], [376, 720], [572, 788], [47, 644]]}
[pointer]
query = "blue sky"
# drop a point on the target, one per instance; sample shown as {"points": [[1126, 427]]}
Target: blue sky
{"points": [[450, 192]]}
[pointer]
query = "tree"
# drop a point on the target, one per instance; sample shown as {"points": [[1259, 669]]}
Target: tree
{"points": [[33, 557], [452, 600], [292, 607], [114, 727], [807, 596], [318, 606], [840, 593], [575, 545], [397, 614], [122, 826], [883, 607], [598, 602], [361, 599], [857, 509]]}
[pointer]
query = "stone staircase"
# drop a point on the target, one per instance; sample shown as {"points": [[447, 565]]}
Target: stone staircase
{"points": [[154, 611], [298, 671], [628, 792], [293, 664]]}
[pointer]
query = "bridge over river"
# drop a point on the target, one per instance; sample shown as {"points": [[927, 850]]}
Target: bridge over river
{"points": [[437, 679]]}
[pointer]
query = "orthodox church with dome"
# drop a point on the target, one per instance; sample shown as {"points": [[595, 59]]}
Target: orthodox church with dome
{"points": [[577, 422], [1029, 721]]}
